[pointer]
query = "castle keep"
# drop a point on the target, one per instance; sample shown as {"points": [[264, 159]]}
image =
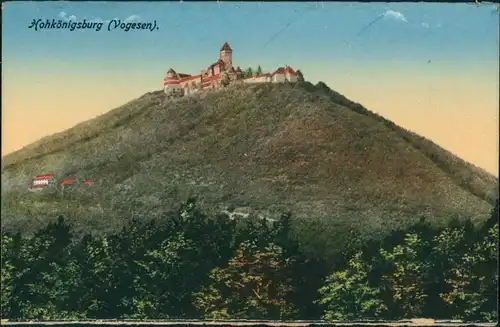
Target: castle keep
{"points": [[220, 74]]}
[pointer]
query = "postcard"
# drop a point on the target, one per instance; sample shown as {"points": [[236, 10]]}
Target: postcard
{"points": [[250, 163]]}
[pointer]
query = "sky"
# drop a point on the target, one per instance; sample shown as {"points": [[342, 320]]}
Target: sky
{"points": [[429, 67]]}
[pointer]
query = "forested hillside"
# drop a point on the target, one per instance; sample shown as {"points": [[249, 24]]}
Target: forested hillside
{"points": [[257, 150], [197, 266]]}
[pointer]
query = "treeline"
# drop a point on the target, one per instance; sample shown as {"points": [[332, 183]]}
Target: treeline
{"points": [[252, 72], [194, 266], [258, 71]]}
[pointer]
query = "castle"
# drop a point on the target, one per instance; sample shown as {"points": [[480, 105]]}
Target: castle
{"points": [[220, 74]]}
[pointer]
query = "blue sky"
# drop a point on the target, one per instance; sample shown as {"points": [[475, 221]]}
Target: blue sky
{"points": [[329, 29], [431, 68]]}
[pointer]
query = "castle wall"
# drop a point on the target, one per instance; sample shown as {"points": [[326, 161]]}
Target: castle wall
{"points": [[279, 78], [258, 79], [191, 85], [210, 77], [191, 81], [170, 87], [216, 69], [291, 77], [227, 57]]}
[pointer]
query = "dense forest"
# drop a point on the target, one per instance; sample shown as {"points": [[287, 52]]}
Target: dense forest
{"points": [[190, 265]]}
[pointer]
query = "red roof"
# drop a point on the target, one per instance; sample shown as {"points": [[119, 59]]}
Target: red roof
{"points": [[211, 78], [280, 70], [88, 182], [284, 70], [188, 78], [46, 176], [66, 182], [226, 47]]}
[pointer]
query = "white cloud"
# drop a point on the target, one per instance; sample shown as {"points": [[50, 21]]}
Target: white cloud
{"points": [[65, 16], [99, 20], [425, 25], [132, 18], [396, 15]]}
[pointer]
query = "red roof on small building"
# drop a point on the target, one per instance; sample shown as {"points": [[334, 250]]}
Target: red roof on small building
{"points": [[280, 70], [284, 70], [46, 176]]}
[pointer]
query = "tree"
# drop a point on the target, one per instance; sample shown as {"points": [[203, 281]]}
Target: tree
{"points": [[493, 220], [254, 285], [259, 71], [162, 284], [469, 273], [7, 275], [489, 289], [249, 72], [347, 294], [42, 280], [91, 263], [300, 76], [212, 245], [405, 276], [225, 80]]}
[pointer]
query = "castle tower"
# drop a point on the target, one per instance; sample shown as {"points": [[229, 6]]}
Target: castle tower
{"points": [[226, 55], [171, 83], [171, 74]]}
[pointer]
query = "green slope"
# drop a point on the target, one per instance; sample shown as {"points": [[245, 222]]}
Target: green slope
{"points": [[262, 148]]}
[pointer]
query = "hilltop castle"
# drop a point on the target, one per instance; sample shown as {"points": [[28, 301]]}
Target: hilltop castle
{"points": [[220, 74]]}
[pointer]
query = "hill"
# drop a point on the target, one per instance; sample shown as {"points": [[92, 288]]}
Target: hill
{"points": [[339, 168]]}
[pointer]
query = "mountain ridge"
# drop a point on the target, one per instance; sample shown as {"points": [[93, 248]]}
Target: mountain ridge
{"points": [[305, 147]]}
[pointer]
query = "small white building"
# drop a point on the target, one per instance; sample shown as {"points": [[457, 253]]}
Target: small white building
{"points": [[41, 181], [284, 74]]}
